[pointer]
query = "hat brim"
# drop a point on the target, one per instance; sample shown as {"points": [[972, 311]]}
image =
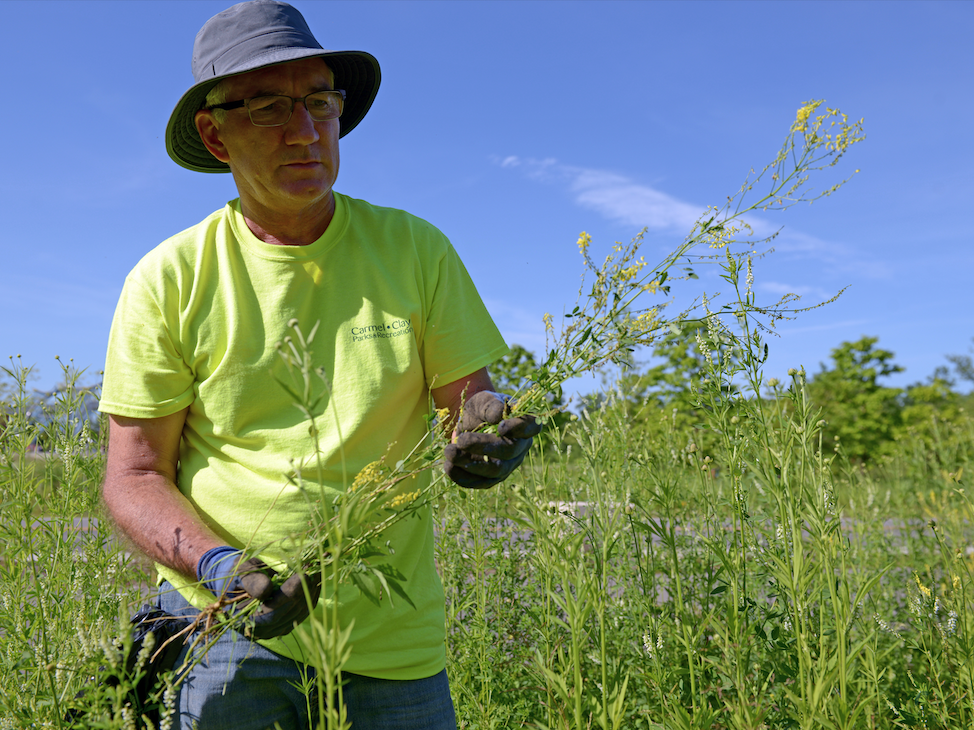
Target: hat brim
{"points": [[356, 72]]}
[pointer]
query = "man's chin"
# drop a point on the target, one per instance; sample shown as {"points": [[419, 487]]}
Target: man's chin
{"points": [[307, 191]]}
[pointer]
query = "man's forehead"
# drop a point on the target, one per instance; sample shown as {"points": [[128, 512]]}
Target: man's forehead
{"points": [[312, 73]]}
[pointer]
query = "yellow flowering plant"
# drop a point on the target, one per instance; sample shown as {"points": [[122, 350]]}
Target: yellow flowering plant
{"points": [[613, 318], [343, 535]]}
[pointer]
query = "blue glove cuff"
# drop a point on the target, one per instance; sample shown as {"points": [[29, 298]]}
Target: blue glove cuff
{"points": [[216, 566]]}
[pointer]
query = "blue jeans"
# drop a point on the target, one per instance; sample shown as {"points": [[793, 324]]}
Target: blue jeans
{"points": [[239, 684]]}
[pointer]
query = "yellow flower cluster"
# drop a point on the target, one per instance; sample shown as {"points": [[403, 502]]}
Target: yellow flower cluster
{"points": [[401, 500], [369, 474], [630, 272], [444, 422], [584, 240], [549, 322], [645, 322], [722, 234], [804, 112], [923, 589], [533, 393], [837, 140]]}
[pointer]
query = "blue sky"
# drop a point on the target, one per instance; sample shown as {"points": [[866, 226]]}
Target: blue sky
{"points": [[514, 126]]}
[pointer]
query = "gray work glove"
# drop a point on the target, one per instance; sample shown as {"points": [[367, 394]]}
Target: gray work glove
{"points": [[240, 584], [481, 460]]}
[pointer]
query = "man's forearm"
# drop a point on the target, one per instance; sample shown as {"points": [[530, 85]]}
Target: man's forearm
{"points": [[141, 495], [153, 514]]}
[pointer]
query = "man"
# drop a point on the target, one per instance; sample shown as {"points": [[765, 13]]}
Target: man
{"points": [[203, 441]]}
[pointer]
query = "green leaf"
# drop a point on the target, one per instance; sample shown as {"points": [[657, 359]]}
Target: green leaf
{"points": [[366, 584], [287, 389], [393, 584]]}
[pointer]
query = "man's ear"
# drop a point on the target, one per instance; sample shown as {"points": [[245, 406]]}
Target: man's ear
{"points": [[210, 134]]}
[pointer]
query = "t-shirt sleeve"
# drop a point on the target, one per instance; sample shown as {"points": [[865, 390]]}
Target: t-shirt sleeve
{"points": [[145, 373], [460, 336]]}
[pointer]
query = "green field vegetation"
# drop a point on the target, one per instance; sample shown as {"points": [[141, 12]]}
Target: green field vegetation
{"points": [[695, 546], [670, 558], [691, 558]]}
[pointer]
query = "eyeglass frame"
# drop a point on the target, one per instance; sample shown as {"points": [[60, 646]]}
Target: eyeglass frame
{"points": [[231, 105]]}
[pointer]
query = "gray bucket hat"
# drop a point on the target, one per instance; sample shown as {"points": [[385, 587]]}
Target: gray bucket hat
{"points": [[252, 35]]}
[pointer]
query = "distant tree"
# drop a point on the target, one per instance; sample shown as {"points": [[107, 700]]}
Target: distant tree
{"points": [[963, 366], [929, 407], [664, 397], [515, 372], [861, 412], [680, 366]]}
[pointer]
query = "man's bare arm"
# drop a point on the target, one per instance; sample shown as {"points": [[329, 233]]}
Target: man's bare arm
{"points": [[141, 495]]}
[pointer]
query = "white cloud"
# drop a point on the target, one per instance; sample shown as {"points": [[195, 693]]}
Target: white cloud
{"points": [[612, 195], [620, 198]]}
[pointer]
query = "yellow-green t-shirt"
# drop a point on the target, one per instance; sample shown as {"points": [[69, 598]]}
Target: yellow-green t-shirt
{"points": [[197, 326]]}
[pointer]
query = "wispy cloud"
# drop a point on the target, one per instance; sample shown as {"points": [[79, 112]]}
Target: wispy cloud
{"points": [[620, 198], [842, 258], [612, 195]]}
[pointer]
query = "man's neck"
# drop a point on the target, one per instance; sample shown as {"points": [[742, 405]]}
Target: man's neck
{"points": [[299, 228]]}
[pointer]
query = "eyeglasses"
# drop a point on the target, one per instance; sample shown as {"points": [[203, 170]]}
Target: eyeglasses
{"points": [[273, 111]]}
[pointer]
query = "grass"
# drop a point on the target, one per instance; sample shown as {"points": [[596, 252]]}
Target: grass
{"points": [[624, 579], [693, 593]]}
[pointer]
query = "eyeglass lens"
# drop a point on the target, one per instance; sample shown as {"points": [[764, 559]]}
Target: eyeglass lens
{"points": [[270, 111]]}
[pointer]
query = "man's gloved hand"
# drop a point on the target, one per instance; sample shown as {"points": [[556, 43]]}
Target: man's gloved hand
{"points": [[241, 583], [481, 460]]}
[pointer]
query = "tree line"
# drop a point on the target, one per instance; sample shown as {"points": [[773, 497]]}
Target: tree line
{"points": [[864, 416]]}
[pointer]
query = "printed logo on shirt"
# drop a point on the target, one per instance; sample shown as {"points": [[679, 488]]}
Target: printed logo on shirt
{"points": [[396, 328]]}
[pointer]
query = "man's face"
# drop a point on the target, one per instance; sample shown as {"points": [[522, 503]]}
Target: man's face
{"points": [[277, 170]]}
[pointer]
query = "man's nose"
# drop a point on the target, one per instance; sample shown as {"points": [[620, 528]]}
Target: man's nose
{"points": [[301, 127]]}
